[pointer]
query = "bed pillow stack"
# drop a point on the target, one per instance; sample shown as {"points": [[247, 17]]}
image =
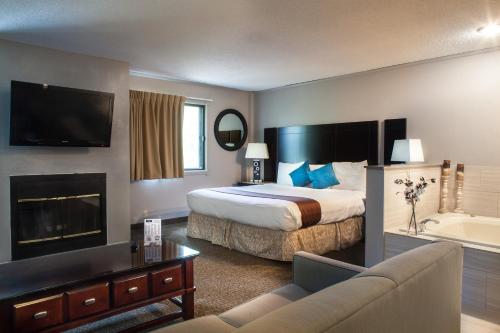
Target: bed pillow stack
{"points": [[349, 175], [300, 175], [323, 177]]}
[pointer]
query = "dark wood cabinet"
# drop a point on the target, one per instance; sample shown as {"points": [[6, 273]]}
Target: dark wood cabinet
{"points": [[81, 287]]}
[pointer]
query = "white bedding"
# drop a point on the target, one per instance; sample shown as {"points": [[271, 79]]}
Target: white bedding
{"points": [[336, 205]]}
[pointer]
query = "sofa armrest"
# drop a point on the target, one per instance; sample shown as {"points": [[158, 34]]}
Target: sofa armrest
{"points": [[313, 272]]}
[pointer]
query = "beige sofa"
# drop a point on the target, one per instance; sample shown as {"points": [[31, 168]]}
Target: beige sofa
{"points": [[415, 292]]}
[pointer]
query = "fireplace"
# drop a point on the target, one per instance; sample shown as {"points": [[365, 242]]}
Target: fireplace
{"points": [[57, 213]]}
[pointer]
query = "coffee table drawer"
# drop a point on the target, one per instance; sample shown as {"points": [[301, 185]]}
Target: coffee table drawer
{"points": [[130, 289], [166, 280], [86, 301], [38, 314]]}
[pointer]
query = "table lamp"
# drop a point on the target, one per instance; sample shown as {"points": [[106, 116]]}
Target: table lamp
{"points": [[257, 152], [408, 151]]}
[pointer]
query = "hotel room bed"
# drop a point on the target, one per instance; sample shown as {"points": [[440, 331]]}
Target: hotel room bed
{"points": [[272, 228]]}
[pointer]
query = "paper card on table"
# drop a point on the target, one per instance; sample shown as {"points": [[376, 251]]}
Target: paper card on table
{"points": [[152, 232]]}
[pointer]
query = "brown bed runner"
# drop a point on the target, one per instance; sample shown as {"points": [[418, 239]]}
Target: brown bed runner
{"points": [[310, 209]]}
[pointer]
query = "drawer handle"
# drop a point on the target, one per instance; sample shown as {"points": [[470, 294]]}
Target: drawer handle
{"points": [[133, 290], [168, 280], [89, 301], [40, 315]]}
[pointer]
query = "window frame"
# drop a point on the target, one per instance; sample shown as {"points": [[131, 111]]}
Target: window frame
{"points": [[203, 138]]}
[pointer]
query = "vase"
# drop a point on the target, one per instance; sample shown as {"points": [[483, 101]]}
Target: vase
{"points": [[412, 224]]}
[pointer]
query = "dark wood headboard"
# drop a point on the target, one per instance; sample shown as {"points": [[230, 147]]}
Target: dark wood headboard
{"points": [[320, 144]]}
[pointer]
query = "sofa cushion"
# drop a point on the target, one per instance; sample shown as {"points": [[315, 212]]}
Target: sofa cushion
{"points": [[247, 312], [207, 324]]}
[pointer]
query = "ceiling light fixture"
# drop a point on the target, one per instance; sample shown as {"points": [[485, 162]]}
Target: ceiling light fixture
{"points": [[489, 30]]}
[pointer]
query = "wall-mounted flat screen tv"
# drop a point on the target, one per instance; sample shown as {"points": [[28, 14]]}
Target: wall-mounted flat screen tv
{"points": [[46, 115]]}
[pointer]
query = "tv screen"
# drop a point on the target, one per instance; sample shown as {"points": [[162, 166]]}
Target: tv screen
{"points": [[46, 115]]}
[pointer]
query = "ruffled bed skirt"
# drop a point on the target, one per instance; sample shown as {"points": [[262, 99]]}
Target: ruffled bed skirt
{"points": [[275, 244]]}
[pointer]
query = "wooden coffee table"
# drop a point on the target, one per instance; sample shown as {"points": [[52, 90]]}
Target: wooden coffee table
{"points": [[61, 291]]}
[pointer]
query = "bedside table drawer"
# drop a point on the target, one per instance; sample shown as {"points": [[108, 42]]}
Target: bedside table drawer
{"points": [[38, 314], [130, 290], [167, 280], [86, 301]]}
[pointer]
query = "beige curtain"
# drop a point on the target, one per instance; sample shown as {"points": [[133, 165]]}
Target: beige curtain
{"points": [[155, 136]]}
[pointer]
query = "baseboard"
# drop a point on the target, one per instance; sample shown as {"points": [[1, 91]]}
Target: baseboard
{"points": [[140, 225]]}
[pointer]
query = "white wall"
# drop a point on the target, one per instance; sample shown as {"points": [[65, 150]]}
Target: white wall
{"points": [[35, 64], [453, 105], [167, 198]]}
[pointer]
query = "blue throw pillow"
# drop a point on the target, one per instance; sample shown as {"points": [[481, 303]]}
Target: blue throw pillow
{"points": [[300, 176], [323, 177]]}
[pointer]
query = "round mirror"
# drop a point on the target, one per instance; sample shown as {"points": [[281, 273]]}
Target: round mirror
{"points": [[230, 129]]}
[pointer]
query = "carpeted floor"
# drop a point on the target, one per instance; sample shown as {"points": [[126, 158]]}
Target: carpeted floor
{"points": [[223, 279], [226, 278]]}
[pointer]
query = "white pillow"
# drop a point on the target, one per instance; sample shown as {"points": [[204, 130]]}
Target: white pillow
{"points": [[284, 170], [351, 175]]}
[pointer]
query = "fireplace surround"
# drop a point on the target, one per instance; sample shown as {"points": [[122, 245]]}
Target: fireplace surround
{"points": [[57, 213]]}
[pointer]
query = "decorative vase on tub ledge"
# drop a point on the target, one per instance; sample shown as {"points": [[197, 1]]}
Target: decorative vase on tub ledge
{"points": [[459, 186], [412, 193], [445, 177]]}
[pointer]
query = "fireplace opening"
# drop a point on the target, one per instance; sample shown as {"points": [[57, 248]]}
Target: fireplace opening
{"points": [[56, 213]]}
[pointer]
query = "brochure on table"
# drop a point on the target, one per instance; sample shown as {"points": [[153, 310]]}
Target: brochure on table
{"points": [[152, 232]]}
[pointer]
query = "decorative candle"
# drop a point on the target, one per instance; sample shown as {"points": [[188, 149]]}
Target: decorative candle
{"points": [[445, 177], [459, 186]]}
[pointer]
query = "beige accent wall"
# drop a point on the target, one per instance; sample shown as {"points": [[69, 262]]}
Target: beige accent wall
{"points": [[167, 198], [41, 65], [453, 105]]}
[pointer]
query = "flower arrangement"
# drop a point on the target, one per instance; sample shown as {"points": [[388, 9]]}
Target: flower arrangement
{"points": [[412, 193]]}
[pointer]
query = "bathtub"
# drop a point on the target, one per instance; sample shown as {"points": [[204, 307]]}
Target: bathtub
{"points": [[477, 230]]}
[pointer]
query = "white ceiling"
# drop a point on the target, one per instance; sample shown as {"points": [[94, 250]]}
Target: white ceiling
{"points": [[253, 44]]}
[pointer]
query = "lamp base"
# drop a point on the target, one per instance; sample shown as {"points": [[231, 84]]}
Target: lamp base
{"points": [[256, 171]]}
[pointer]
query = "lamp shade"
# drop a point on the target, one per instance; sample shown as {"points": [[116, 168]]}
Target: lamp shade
{"points": [[409, 150], [257, 151]]}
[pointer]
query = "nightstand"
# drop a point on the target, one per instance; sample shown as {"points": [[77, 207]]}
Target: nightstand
{"points": [[248, 183]]}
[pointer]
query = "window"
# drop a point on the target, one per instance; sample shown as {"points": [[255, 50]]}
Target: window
{"points": [[193, 137]]}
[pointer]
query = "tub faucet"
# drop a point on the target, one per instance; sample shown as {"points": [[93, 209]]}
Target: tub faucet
{"points": [[422, 224]]}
